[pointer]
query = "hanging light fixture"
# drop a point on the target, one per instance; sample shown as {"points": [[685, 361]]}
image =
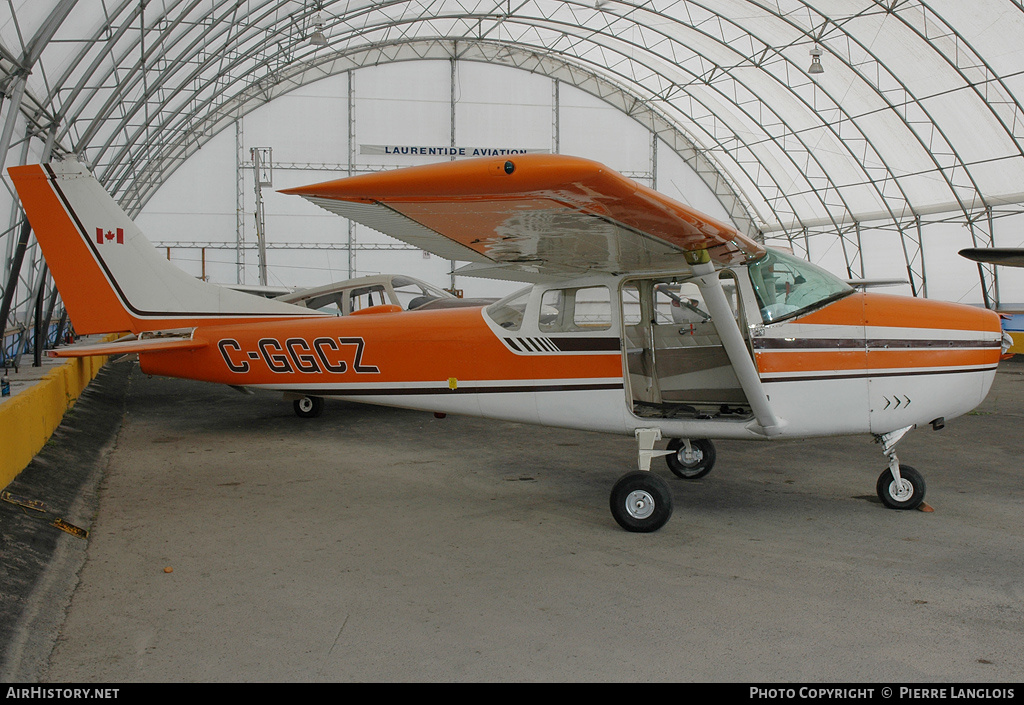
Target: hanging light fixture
{"points": [[317, 38], [816, 66]]}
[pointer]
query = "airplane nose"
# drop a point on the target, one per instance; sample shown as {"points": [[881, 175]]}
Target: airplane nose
{"points": [[927, 359]]}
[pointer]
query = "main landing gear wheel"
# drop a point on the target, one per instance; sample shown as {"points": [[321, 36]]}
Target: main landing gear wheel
{"points": [[907, 495], [308, 407], [641, 502], [700, 462]]}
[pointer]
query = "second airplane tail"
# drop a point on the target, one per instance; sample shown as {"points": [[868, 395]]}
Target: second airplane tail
{"points": [[109, 275]]}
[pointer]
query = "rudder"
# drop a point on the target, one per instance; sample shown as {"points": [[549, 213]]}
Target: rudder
{"points": [[109, 275]]}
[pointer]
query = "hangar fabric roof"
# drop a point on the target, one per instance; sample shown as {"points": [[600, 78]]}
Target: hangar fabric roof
{"points": [[800, 114]]}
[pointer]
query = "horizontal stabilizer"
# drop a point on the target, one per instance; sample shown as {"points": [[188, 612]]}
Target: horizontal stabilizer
{"points": [[132, 345]]}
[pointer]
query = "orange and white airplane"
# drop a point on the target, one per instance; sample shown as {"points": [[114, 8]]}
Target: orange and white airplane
{"points": [[644, 318]]}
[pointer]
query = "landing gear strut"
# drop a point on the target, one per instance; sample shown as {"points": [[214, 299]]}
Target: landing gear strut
{"points": [[899, 486], [640, 501]]}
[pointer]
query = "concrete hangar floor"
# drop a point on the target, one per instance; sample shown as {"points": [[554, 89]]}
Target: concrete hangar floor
{"points": [[375, 544]]}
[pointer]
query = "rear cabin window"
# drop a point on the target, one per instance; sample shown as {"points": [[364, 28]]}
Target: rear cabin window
{"points": [[367, 296], [577, 310]]}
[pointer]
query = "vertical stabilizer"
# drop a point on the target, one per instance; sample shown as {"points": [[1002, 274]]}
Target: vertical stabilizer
{"points": [[109, 275]]}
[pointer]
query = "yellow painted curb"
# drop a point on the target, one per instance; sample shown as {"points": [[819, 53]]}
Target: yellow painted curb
{"points": [[28, 419]]}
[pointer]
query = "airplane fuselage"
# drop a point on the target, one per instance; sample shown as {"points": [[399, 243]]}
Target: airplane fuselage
{"points": [[865, 363]]}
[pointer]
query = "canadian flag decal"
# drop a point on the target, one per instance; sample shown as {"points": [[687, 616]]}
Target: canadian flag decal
{"points": [[109, 236]]}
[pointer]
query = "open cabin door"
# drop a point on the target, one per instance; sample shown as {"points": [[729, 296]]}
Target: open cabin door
{"points": [[677, 366]]}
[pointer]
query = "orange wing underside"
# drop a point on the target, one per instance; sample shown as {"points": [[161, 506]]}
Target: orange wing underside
{"points": [[542, 211]]}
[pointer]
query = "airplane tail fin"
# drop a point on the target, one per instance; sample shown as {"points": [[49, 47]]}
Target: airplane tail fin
{"points": [[109, 275]]}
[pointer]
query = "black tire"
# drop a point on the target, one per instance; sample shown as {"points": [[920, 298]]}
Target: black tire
{"points": [[892, 497], [308, 407], [704, 450], [641, 502]]}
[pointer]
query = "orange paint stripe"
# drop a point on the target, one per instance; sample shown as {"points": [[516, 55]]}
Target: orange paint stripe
{"points": [[822, 361], [891, 359], [803, 361]]}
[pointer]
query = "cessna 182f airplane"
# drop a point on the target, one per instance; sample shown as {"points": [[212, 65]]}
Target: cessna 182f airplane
{"points": [[644, 318]]}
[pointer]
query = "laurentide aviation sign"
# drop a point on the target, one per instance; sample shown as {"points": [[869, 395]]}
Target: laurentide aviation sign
{"points": [[405, 150]]}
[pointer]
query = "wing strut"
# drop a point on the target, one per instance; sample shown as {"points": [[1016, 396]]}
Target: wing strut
{"points": [[732, 340]]}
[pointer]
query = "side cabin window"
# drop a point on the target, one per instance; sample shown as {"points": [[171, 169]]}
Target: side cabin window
{"points": [[576, 310], [412, 293], [673, 301], [364, 297], [328, 303], [509, 311]]}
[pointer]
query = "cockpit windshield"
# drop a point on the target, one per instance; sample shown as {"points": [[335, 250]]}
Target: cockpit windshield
{"points": [[787, 286]]}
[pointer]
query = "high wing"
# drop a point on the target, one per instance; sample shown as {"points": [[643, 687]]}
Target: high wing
{"points": [[532, 217], [1008, 256]]}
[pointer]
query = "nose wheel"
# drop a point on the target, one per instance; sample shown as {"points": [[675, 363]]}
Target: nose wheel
{"points": [[907, 492], [899, 486]]}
